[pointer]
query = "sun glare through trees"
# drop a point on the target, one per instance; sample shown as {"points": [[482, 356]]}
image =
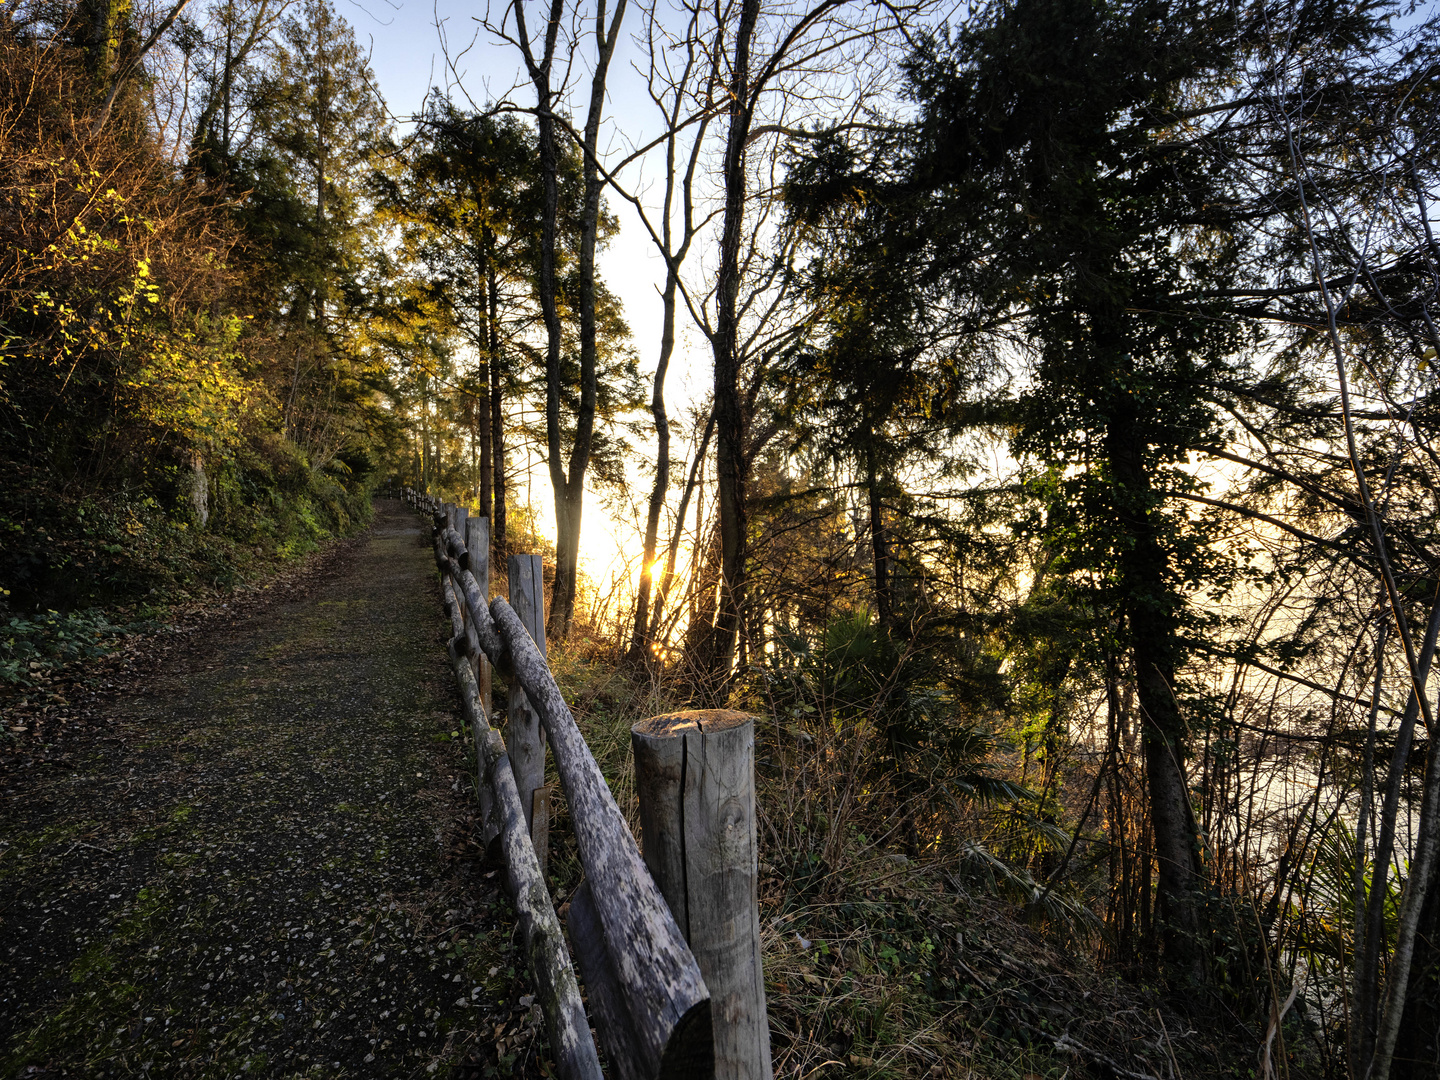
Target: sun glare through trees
{"points": [[1027, 408]]}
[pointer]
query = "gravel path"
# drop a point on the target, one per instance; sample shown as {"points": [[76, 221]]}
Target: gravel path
{"points": [[270, 873]]}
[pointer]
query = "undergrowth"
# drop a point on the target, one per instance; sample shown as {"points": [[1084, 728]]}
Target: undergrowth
{"points": [[858, 953], [883, 960], [81, 573], [33, 648]]}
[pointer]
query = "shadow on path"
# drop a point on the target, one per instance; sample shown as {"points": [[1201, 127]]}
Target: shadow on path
{"points": [[272, 875]]}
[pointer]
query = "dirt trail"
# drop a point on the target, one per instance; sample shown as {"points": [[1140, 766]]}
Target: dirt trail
{"points": [[270, 875]]}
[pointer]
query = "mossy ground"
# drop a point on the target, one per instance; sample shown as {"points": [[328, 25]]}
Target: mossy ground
{"points": [[267, 869]]}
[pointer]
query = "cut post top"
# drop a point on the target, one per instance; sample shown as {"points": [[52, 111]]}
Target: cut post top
{"points": [[704, 721]]}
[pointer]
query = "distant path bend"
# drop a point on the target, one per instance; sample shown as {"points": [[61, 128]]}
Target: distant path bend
{"points": [[273, 875]]}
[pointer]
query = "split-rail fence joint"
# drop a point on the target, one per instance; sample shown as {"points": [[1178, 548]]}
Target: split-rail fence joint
{"points": [[643, 929]]}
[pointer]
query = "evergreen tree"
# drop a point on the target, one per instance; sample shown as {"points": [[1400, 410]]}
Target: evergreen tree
{"points": [[320, 131], [1057, 202], [466, 204]]}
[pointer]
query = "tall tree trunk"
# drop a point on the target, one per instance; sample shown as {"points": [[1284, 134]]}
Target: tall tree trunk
{"points": [[101, 23], [322, 145], [680, 88], [879, 546], [570, 490], [539, 70], [483, 379], [550, 312], [730, 418], [484, 487], [500, 550], [1149, 612], [640, 637], [425, 443]]}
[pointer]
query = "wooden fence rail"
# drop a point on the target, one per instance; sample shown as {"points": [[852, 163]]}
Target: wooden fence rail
{"points": [[649, 1001]]}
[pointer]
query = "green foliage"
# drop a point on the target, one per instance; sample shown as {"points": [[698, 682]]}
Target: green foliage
{"points": [[913, 721], [929, 713], [34, 647], [132, 548], [461, 320], [161, 424], [320, 132], [1328, 905]]}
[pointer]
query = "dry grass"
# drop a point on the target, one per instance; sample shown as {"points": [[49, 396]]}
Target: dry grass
{"points": [[879, 965]]}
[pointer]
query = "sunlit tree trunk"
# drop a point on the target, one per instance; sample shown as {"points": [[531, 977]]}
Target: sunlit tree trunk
{"points": [[693, 81], [570, 489], [639, 638], [497, 426]]}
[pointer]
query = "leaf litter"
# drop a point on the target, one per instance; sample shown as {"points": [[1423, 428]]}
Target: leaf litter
{"points": [[267, 867]]}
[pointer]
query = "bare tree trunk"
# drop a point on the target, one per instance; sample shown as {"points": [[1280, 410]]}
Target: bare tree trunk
{"points": [[570, 490], [730, 419], [680, 90], [640, 637], [672, 552], [498, 543]]}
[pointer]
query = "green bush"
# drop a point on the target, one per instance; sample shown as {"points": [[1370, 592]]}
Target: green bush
{"points": [[33, 647]]}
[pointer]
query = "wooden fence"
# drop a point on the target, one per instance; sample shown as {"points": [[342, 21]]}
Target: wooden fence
{"points": [[655, 1014]]}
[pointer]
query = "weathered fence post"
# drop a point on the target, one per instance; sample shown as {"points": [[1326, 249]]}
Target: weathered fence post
{"points": [[461, 518], [477, 543], [695, 776], [503, 820], [526, 738]]}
